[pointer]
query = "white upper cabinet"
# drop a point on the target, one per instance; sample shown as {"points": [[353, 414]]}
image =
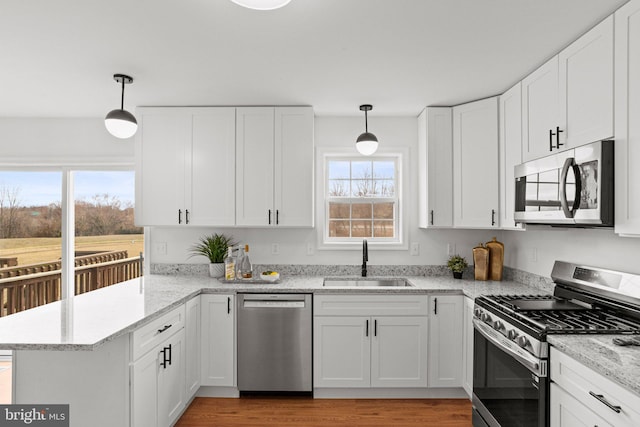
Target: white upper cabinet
{"points": [[568, 101], [627, 125], [435, 162], [540, 110], [185, 166], [510, 152], [475, 164], [274, 166]]}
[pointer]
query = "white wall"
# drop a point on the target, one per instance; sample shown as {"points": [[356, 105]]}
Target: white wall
{"points": [[600, 248], [397, 132], [61, 142]]}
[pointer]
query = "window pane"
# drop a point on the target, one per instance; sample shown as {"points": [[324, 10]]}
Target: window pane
{"points": [[361, 228], [339, 228], [383, 229], [339, 169], [339, 210], [362, 188], [361, 170], [385, 169], [361, 210], [383, 210], [339, 188], [105, 231], [30, 237], [383, 188]]}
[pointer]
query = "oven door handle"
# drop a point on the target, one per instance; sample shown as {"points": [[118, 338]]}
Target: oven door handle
{"points": [[532, 363]]}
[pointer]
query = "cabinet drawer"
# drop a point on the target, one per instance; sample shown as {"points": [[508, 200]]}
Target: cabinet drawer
{"points": [[583, 383], [370, 305], [148, 336]]}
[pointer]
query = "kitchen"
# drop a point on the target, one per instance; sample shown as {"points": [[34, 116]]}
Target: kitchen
{"points": [[533, 251]]}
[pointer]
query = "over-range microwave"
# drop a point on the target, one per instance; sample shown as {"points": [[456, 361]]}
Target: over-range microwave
{"points": [[570, 188]]}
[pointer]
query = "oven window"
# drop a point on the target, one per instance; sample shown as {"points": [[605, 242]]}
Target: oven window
{"points": [[510, 392]]}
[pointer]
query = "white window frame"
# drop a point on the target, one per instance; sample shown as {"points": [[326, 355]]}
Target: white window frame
{"points": [[401, 156]]}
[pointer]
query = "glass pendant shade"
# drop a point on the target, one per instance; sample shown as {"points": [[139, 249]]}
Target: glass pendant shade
{"points": [[367, 144], [262, 4], [121, 123]]}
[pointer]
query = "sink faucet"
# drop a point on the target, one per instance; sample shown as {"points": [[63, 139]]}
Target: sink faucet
{"points": [[365, 257]]}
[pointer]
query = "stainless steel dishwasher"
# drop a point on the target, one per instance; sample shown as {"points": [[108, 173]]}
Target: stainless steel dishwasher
{"points": [[274, 342]]}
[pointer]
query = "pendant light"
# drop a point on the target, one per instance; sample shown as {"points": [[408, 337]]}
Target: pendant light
{"points": [[262, 4], [367, 143], [121, 123]]}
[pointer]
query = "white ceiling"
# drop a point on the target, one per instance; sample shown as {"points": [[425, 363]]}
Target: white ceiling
{"points": [[58, 57]]}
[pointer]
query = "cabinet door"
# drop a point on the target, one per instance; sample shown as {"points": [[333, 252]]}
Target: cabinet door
{"points": [[171, 386], [254, 166], [192, 350], [475, 164], [399, 352], [539, 110], [144, 389], [510, 152], [342, 348], [467, 346], [218, 342], [211, 167], [160, 166], [627, 125], [435, 151], [586, 87], [445, 340], [293, 166], [566, 411]]}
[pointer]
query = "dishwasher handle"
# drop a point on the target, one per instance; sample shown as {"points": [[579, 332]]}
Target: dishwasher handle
{"points": [[274, 300], [273, 304]]}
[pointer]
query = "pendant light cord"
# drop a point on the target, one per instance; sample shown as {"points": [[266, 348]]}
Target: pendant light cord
{"points": [[122, 96]]}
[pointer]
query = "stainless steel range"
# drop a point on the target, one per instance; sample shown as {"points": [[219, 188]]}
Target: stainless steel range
{"points": [[511, 353]]}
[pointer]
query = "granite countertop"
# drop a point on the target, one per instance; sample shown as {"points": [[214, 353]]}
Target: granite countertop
{"points": [[86, 321], [621, 364]]}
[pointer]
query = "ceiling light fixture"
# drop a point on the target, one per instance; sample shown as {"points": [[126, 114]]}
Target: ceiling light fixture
{"points": [[262, 4], [119, 122], [367, 143]]}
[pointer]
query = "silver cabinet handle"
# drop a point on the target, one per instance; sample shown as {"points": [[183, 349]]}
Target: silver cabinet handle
{"points": [[615, 408]]}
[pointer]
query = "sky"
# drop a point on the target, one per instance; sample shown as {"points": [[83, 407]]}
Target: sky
{"points": [[43, 188]]}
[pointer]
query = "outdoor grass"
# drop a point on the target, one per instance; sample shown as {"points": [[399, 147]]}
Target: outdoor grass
{"points": [[38, 250]]}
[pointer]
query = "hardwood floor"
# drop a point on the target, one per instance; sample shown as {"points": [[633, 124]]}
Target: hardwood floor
{"points": [[308, 412]]}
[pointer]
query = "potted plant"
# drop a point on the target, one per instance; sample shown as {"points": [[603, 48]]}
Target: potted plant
{"points": [[457, 264], [213, 247]]}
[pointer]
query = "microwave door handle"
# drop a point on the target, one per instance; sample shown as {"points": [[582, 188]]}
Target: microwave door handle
{"points": [[570, 163]]}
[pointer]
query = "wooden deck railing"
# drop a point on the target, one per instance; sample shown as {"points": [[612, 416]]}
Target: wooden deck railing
{"points": [[23, 270], [20, 293]]}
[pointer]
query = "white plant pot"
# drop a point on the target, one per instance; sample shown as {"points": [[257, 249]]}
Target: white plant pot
{"points": [[216, 270]]}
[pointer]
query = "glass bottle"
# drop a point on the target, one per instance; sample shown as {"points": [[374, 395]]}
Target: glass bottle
{"points": [[229, 265], [239, 262], [245, 266]]}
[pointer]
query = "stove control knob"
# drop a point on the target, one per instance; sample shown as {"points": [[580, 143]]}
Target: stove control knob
{"points": [[486, 318], [523, 342], [498, 325], [477, 313], [513, 334]]}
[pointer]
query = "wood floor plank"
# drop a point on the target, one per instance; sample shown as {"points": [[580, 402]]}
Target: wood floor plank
{"points": [[308, 412]]}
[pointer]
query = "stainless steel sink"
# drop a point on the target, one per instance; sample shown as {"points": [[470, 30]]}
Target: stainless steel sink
{"points": [[364, 282]]}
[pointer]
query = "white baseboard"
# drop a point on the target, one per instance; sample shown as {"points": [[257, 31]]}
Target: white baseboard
{"points": [[390, 393]]}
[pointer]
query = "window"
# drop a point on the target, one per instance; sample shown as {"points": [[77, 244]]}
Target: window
{"points": [[362, 199]]}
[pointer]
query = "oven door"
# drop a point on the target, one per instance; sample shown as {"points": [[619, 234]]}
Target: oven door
{"points": [[510, 386]]}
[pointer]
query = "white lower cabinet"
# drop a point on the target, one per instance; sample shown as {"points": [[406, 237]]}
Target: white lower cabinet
{"points": [[445, 340], [218, 356], [158, 394], [582, 397], [467, 346], [365, 341]]}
